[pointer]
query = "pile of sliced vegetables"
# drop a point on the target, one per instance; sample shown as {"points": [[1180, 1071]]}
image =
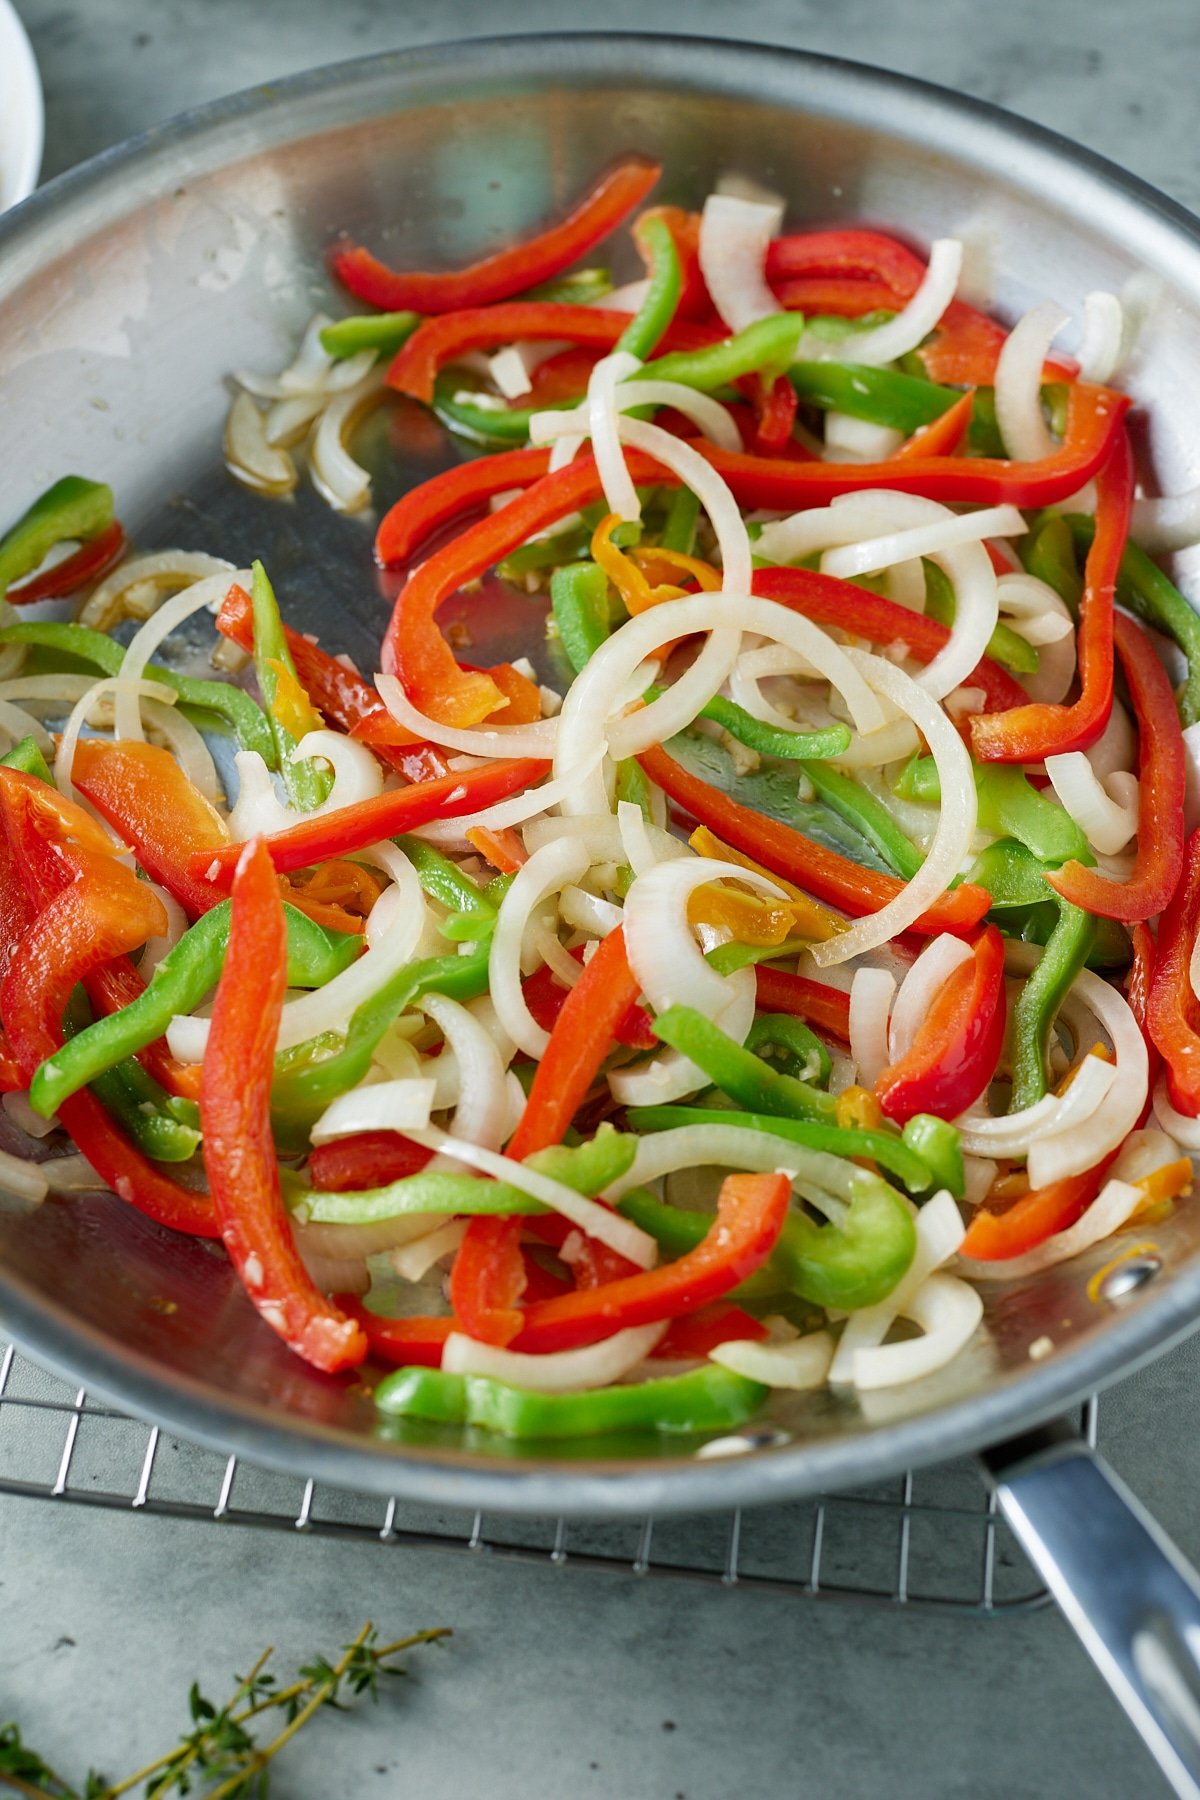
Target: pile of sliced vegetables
{"points": [[817, 944]]}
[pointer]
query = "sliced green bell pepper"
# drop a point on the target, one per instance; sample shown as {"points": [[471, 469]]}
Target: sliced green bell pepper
{"points": [[384, 332], [73, 509], [793, 1044], [641, 336], [1040, 997], [1009, 805], [903, 402], [26, 756], [290, 713], [746, 1078]]}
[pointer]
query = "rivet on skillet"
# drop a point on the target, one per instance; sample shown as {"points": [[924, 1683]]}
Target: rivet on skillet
{"points": [[1128, 1277]]}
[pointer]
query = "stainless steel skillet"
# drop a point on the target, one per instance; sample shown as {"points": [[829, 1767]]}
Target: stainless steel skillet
{"points": [[129, 289]]}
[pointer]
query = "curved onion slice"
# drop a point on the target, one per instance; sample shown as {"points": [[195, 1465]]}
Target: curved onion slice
{"points": [[26, 1181], [713, 419], [848, 439], [559, 1371], [730, 1147], [497, 740], [1019, 383], [335, 474], [663, 954], [18, 724], [413, 1261], [1012, 1133], [670, 1075], [1105, 811], [1033, 609], [356, 773], [1168, 522], [1180, 1126], [928, 975], [547, 870], [64, 762], [601, 835], [870, 555], [870, 998], [802, 1364], [381, 1106], [1116, 747], [909, 328], [482, 1111], [1103, 330], [161, 569], [207, 591], [956, 823], [158, 947], [249, 456], [530, 804], [258, 810], [734, 236], [940, 1231], [603, 418], [948, 1312], [347, 1241], [1107, 1213]]}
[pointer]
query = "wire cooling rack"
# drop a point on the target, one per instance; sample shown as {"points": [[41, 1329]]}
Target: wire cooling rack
{"points": [[933, 1541]]}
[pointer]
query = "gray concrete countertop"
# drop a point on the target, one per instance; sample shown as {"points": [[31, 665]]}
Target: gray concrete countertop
{"points": [[559, 1684]]}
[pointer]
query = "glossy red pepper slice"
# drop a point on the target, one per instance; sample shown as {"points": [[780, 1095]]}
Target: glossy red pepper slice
{"points": [[148, 800], [1036, 1216], [1162, 781], [545, 996], [235, 1114], [698, 1333], [827, 1008], [1172, 1009], [509, 271], [92, 560], [418, 1340], [487, 1281], [368, 1159], [957, 1046]]}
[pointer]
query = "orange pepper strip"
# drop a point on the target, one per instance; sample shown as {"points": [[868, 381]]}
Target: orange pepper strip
{"points": [[943, 436], [502, 848]]}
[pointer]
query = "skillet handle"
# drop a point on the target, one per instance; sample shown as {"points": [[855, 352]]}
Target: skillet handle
{"points": [[1123, 1586]]}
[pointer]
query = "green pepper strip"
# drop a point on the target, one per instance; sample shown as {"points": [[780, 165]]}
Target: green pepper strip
{"points": [[1009, 805], [579, 287], [891, 1151], [1146, 591], [641, 336], [546, 553], [679, 529], [746, 1078], [1024, 905], [939, 1146], [846, 1266], [231, 703], [633, 784], [472, 914], [766, 347], [73, 509], [795, 1046], [1048, 551], [185, 975], [28, 758], [902, 402], [868, 815], [306, 781], [771, 740], [1005, 645], [586, 1168], [706, 1399], [673, 1230], [138, 1104], [726, 958], [1040, 998], [384, 332]]}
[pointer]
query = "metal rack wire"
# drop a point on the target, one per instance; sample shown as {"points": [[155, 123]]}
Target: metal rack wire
{"points": [[932, 1542]]}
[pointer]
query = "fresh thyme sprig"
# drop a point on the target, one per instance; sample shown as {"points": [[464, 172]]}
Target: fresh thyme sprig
{"points": [[220, 1757]]}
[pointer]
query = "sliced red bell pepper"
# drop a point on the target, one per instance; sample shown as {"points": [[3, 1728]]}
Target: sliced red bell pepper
{"points": [[695, 301], [1094, 416], [1036, 1216], [843, 296], [832, 878], [116, 985], [541, 1282], [418, 1340], [545, 996], [698, 1333], [239, 1153], [414, 649], [827, 1008], [1040, 729], [582, 1037], [447, 339], [12, 1076], [1137, 992], [385, 815], [1162, 776], [366, 1160], [414, 518], [958, 1043], [775, 406], [1172, 1009], [92, 560], [503, 848], [944, 436], [487, 1281], [145, 796], [750, 1213], [509, 271], [827, 600]]}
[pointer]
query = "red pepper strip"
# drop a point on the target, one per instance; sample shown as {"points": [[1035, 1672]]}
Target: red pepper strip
{"points": [[958, 1043], [366, 1160], [581, 1039], [943, 437], [825, 1007], [1172, 1009], [542, 1283], [510, 271], [1162, 776], [447, 339], [12, 1076], [1137, 992], [148, 800], [337, 692], [503, 848], [593, 1263], [464, 488], [832, 878], [1094, 416], [545, 996], [830, 601], [696, 1334], [114, 986], [1036, 1216], [750, 1212], [417, 1341], [487, 1280], [1032, 732], [563, 376], [235, 1114], [775, 414], [88, 563], [845, 296], [385, 815], [414, 649]]}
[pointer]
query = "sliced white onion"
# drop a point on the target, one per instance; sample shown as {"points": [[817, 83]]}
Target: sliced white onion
{"points": [[25, 1119], [1171, 522], [491, 741], [482, 1111], [1103, 330], [801, 1364], [258, 810], [516, 810], [1018, 390], [206, 592], [600, 834], [731, 1147], [72, 1175], [725, 517], [161, 568], [663, 954], [347, 1241], [249, 456], [593, 1219], [926, 978], [414, 1260], [1072, 1151], [870, 998], [635, 838], [588, 912], [940, 1231], [287, 421], [547, 870], [848, 439], [620, 494], [510, 372], [558, 1372], [21, 724], [335, 474], [1106, 812], [25, 1181], [873, 554], [670, 1075], [356, 773], [948, 1312], [1107, 1213], [313, 371], [956, 823], [1184, 1129], [734, 238], [64, 762], [713, 419], [910, 327], [381, 1106], [1012, 1133], [979, 1172], [1116, 747], [1033, 609], [1142, 1153]]}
